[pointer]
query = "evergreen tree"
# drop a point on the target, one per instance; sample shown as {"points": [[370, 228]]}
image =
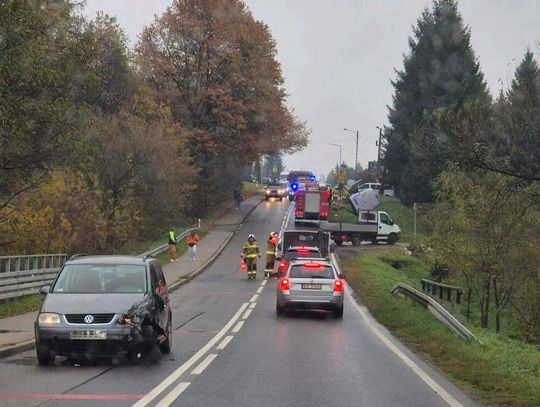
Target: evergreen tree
{"points": [[441, 70], [272, 162], [517, 150]]}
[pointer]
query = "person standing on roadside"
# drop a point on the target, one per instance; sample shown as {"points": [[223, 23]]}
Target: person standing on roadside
{"points": [[237, 195], [172, 246], [192, 240]]}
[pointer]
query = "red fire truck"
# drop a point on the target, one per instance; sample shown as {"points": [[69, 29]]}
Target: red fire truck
{"points": [[312, 204]]}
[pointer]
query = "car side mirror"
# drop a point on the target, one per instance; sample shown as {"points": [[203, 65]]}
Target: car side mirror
{"points": [[44, 289], [342, 276]]}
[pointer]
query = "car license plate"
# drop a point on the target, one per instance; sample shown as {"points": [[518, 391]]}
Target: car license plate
{"points": [[311, 286], [88, 334]]}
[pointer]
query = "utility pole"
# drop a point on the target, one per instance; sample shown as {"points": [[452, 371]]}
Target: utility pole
{"points": [[356, 155], [379, 153]]}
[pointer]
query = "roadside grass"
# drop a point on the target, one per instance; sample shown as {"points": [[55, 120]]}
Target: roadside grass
{"points": [[20, 305], [498, 370]]}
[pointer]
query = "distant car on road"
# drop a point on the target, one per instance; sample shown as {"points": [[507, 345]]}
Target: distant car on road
{"points": [[310, 284], [276, 190], [114, 306]]}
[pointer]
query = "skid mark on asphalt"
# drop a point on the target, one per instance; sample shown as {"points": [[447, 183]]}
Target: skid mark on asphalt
{"points": [[189, 320]]}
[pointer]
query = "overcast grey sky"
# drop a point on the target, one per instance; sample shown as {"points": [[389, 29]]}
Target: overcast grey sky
{"points": [[338, 57]]}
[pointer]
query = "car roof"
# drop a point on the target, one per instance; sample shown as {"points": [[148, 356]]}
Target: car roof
{"points": [[110, 260], [299, 262]]}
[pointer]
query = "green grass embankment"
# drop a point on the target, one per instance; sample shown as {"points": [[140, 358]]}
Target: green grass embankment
{"points": [[499, 370]]}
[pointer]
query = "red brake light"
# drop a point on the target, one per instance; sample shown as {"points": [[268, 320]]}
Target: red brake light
{"points": [[313, 265], [302, 250], [338, 286], [282, 265], [284, 284]]}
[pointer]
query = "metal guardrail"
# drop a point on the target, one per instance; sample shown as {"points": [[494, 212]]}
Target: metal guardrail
{"points": [[444, 293], [435, 308], [24, 275], [160, 249]]}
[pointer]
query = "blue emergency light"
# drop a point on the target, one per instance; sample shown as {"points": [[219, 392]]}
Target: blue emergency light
{"points": [[294, 186]]}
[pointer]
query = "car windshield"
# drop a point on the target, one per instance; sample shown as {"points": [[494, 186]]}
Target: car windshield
{"points": [[302, 254], [311, 271], [273, 186], [92, 278]]}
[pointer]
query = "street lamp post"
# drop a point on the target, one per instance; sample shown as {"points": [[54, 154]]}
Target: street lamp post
{"points": [[379, 152], [356, 156], [338, 145]]}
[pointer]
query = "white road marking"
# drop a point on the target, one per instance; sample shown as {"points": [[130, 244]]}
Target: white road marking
{"points": [[204, 364], [259, 290], [247, 314], [173, 395], [252, 305], [224, 342], [263, 283], [254, 298], [238, 327], [451, 401], [156, 391]]}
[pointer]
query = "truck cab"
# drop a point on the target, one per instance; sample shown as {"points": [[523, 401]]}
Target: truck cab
{"points": [[387, 230]]}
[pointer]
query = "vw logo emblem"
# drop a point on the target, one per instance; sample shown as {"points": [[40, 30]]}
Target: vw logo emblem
{"points": [[88, 319]]}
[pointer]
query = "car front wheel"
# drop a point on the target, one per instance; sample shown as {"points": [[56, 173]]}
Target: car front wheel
{"points": [[166, 346], [44, 356]]}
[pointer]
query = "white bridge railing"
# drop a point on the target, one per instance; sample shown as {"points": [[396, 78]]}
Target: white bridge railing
{"points": [[23, 275]]}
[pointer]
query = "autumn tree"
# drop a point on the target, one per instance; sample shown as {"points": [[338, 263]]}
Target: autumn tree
{"points": [[480, 226], [39, 56], [215, 67]]}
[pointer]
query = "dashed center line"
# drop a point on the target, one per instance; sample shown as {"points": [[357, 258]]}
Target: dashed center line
{"points": [[259, 290], [263, 283], [252, 305], [254, 298], [204, 364], [173, 395], [238, 327], [224, 342], [247, 314]]}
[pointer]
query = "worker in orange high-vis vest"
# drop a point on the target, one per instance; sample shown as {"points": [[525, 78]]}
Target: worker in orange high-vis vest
{"points": [[192, 240], [271, 244]]}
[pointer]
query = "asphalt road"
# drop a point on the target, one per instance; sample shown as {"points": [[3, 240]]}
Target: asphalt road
{"points": [[230, 349]]}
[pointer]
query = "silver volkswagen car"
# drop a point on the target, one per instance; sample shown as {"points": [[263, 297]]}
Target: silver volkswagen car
{"points": [[310, 284]]}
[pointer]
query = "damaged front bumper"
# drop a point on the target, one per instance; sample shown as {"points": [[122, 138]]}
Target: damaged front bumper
{"points": [[97, 339]]}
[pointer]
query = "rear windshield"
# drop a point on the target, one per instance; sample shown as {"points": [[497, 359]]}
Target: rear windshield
{"points": [[290, 255], [92, 279], [303, 271]]}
